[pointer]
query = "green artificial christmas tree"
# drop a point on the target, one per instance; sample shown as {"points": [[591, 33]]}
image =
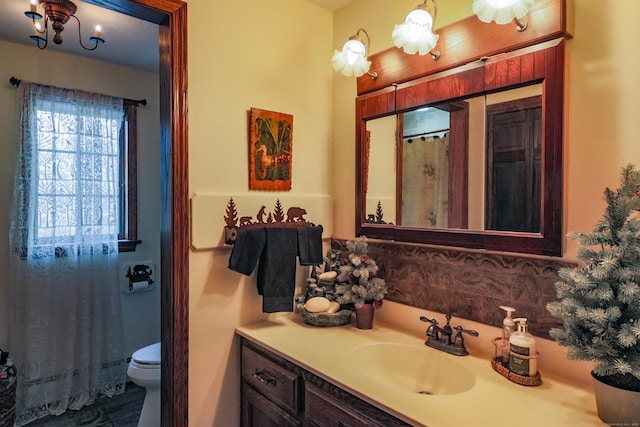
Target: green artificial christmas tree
{"points": [[599, 299]]}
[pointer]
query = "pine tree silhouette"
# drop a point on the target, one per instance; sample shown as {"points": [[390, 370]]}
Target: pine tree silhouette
{"points": [[231, 217], [379, 213], [278, 213]]}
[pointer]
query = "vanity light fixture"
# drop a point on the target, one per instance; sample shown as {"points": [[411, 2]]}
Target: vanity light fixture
{"points": [[415, 34], [352, 59], [56, 15], [503, 11]]}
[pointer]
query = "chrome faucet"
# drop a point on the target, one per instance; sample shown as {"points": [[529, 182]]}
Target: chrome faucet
{"points": [[443, 338]]}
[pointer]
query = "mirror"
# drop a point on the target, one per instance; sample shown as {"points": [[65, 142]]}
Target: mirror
{"points": [[500, 135], [462, 158]]}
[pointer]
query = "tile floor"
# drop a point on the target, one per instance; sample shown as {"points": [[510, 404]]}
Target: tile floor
{"points": [[122, 410]]}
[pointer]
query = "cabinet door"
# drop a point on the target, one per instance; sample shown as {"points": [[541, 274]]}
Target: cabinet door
{"points": [[514, 165], [322, 410], [258, 411]]}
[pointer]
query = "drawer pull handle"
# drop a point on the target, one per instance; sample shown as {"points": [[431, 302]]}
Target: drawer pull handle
{"points": [[263, 377]]}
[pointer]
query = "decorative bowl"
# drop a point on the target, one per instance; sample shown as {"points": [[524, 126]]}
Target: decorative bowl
{"points": [[339, 318]]}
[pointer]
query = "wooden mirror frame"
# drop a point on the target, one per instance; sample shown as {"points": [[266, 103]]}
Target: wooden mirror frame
{"points": [[476, 58], [543, 63], [171, 16]]}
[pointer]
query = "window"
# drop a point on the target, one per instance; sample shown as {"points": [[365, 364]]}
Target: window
{"points": [[78, 172], [128, 233]]}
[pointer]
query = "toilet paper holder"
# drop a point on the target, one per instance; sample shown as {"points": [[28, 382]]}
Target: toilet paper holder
{"points": [[139, 273]]}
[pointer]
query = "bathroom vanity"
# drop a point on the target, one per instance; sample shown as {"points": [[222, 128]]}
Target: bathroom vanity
{"points": [[284, 393], [294, 374]]}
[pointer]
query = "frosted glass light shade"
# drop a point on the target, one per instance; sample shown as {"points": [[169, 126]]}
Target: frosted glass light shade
{"points": [[414, 35], [351, 60], [417, 22], [501, 11]]}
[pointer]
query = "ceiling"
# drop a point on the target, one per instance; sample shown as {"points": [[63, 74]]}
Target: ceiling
{"points": [[129, 41]]}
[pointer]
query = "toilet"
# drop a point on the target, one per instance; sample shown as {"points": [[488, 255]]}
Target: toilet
{"points": [[144, 370]]}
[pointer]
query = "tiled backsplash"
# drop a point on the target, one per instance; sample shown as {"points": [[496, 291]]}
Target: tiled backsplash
{"points": [[468, 284]]}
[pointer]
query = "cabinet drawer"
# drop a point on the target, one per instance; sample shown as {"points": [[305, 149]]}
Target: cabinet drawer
{"points": [[324, 410], [274, 382]]}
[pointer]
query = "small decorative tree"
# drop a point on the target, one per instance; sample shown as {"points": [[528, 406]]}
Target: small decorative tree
{"points": [[379, 213], [599, 300], [357, 280], [278, 213], [231, 217]]}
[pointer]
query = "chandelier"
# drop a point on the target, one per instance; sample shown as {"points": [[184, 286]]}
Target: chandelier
{"points": [[56, 15]]}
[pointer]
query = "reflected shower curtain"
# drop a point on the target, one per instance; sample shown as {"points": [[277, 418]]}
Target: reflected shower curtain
{"points": [[425, 196], [66, 334]]}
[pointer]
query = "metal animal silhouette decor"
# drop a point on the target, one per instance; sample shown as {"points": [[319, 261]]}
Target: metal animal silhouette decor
{"points": [[293, 217], [270, 149]]}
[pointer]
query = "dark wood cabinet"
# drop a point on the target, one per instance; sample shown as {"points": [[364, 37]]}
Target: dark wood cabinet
{"points": [[279, 393], [260, 411], [323, 410]]}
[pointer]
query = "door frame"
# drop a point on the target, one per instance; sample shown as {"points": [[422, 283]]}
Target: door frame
{"points": [[171, 16]]}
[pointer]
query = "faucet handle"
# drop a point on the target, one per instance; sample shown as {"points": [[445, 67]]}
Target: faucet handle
{"points": [[426, 319], [458, 341], [433, 329], [467, 331]]}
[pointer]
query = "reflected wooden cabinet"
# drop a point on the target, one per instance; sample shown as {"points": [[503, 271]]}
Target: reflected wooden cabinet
{"points": [[279, 393], [514, 165]]}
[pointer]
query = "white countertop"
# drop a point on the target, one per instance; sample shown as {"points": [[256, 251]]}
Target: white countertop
{"points": [[493, 400]]}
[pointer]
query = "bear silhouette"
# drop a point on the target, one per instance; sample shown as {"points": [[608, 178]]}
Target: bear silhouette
{"points": [[294, 214]]}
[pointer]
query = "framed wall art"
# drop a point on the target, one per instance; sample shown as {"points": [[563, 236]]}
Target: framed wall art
{"points": [[270, 150]]}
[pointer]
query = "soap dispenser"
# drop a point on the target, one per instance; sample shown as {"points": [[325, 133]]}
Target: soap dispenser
{"points": [[508, 328], [523, 355]]}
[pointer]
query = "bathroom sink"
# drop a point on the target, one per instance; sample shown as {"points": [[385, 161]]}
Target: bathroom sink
{"points": [[414, 369]]}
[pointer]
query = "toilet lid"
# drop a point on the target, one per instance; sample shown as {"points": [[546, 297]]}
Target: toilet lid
{"points": [[149, 355]]}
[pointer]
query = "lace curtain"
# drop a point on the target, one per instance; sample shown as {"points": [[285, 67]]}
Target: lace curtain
{"points": [[426, 161], [66, 334]]}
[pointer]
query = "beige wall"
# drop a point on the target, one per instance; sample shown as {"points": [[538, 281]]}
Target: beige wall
{"points": [[141, 311], [279, 60], [381, 186]]}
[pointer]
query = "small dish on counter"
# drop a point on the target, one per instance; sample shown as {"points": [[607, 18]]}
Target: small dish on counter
{"points": [[325, 319]]}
